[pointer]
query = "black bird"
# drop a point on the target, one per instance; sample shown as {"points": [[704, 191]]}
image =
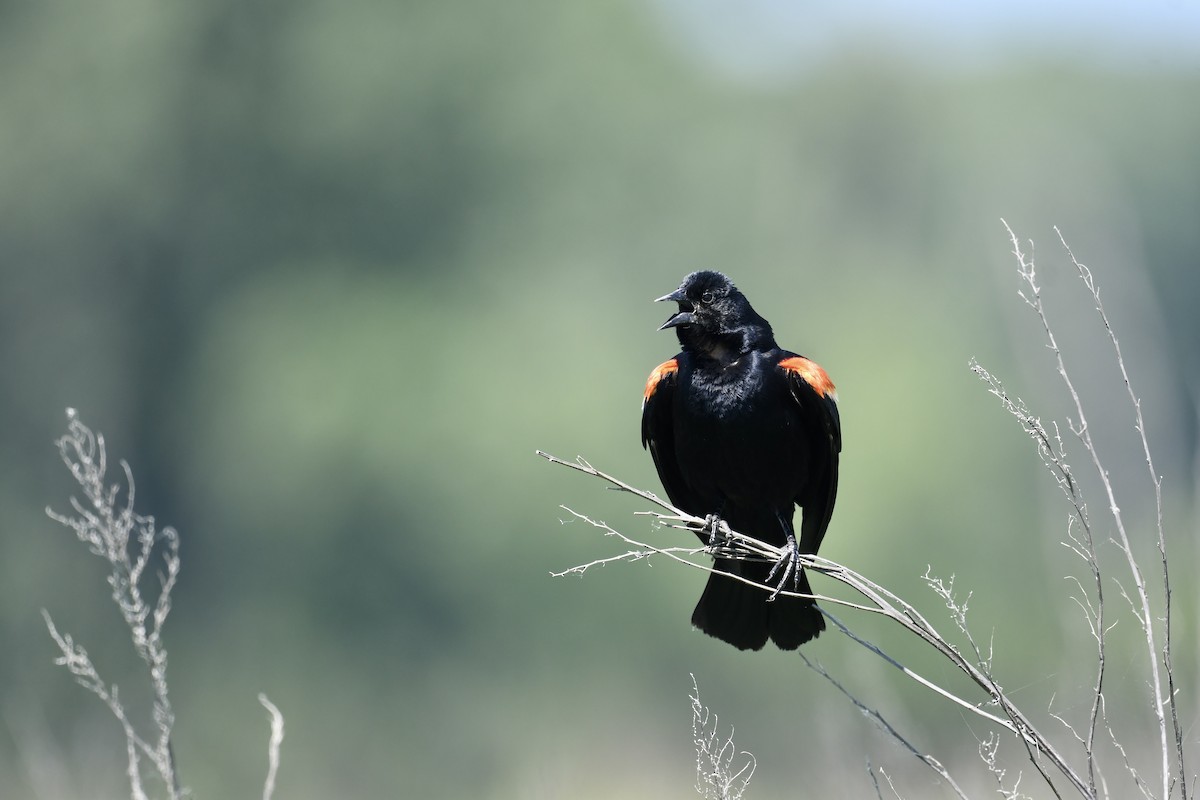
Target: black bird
{"points": [[743, 431]]}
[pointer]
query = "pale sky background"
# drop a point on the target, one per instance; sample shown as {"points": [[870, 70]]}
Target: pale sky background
{"points": [[757, 39]]}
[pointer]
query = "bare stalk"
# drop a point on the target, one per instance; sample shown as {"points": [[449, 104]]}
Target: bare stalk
{"points": [[1156, 480], [130, 543], [273, 746], [1052, 451], [1080, 428], [879, 601], [887, 727], [722, 771]]}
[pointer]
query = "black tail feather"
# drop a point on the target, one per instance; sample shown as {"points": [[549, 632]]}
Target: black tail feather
{"points": [[743, 615], [795, 620]]}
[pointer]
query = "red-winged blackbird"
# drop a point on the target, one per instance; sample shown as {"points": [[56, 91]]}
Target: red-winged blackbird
{"points": [[742, 430]]}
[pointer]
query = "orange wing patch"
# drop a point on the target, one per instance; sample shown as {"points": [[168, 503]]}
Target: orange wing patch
{"points": [[811, 373], [661, 371]]}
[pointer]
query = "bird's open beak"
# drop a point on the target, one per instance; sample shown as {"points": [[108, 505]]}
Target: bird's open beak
{"points": [[683, 317]]}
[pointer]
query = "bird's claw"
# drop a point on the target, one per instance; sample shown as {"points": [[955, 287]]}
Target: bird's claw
{"points": [[789, 563], [716, 530]]}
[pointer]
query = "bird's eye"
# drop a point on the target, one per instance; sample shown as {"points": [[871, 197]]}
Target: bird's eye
{"points": [[707, 297]]}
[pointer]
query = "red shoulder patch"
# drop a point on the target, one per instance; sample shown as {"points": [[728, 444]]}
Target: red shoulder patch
{"points": [[812, 374], [661, 371]]}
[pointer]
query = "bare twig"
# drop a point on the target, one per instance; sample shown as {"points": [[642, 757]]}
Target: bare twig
{"points": [[875, 782], [1140, 599], [79, 664], [879, 601], [127, 541], [130, 543], [924, 758], [1052, 451], [989, 749], [1156, 480], [718, 777], [273, 746]]}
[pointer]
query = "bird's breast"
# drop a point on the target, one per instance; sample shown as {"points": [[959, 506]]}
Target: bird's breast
{"points": [[735, 413], [726, 392]]}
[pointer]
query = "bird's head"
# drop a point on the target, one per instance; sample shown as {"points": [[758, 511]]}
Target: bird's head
{"points": [[715, 318]]}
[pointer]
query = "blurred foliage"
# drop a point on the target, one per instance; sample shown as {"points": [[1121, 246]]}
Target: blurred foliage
{"points": [[327, 274]]}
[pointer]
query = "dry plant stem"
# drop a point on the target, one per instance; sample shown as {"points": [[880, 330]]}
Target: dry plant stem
{"points": [[924, 758], [273, 746], [988, 750], [886, 777], [77, 662], [643, 550], [716, 778], [881, 602], [907, 616], [874, 780], [127, 541], [1053, 454], [1156, 480], [1081, 430]]}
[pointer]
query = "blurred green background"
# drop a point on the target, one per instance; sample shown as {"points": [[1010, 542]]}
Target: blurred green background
{"points": [[326, 275]]}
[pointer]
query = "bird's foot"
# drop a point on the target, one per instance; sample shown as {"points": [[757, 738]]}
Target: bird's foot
{"points": [[788, 569], [716, 530]]}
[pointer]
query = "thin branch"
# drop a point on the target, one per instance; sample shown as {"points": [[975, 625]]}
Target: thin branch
{"points": [[928, 684], [881, 601], [924, 758], [79, 664], [887, 778], [989, 749], [716, 776], [273, 747], [128, 542], [131, 544], [1156, 480], [1142, 610], [1052, 451]]}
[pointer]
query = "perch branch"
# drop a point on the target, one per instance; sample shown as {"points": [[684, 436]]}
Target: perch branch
{"points": [[881, 601]]}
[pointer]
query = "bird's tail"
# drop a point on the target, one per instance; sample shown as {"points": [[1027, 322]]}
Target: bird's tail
{"points": [[745, 617]]}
